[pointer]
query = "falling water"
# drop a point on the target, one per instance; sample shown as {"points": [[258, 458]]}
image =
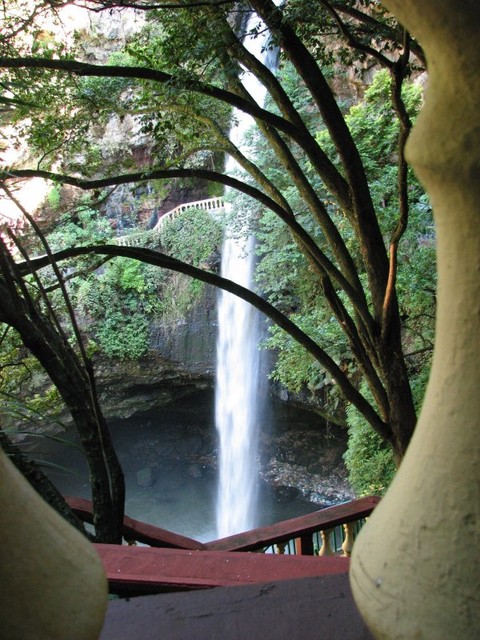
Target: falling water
{"points": [[236, 410], [237, 407]]}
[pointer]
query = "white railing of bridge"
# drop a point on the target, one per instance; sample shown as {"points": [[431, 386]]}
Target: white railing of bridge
{"points": [[139, 238], [210, 204]]}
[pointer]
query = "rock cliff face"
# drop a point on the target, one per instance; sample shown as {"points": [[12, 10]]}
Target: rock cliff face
{"points": [[132, 387], [181, 361], [298, 456], [191, 340]]}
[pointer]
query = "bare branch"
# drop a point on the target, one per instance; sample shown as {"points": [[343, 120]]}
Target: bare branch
{"points": [[145, 73], [102, 5], [398, 72], [327, 170], [377, 27], [354, 42]]}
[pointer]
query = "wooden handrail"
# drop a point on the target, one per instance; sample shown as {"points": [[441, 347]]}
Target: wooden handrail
{"points": [[297, 527], [300, 528], [139, 570], [136, 531]]}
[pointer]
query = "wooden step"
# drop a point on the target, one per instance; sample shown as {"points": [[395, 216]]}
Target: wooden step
{"points": [[140, 570], [319, 608]]}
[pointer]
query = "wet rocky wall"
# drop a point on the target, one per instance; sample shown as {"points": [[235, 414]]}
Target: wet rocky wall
{"points": [[190, 341]]}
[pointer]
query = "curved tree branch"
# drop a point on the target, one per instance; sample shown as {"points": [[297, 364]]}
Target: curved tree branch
{"points": [[318, 158], [398, 72], [61, 363], [352, 41], [307, 242], [375, 26], [156, 258], [144, 73], [364, 220]]}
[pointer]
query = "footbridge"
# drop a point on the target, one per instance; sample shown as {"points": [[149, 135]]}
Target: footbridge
{"points": [[139, 238]]}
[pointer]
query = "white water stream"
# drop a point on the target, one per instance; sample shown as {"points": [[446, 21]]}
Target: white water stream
{"points": [[237, 407]]}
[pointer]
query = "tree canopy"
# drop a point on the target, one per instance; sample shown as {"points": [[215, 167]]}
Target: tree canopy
{"points": [[336, 204]]}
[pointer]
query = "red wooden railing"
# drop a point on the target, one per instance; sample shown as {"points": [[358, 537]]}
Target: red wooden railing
{"points": [[141, 570], [136, 531], [173, 562], [300, 529]]}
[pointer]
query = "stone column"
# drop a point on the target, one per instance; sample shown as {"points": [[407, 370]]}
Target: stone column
{"points": [[415, 569], [52, 584]]}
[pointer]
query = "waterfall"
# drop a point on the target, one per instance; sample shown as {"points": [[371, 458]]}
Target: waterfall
{"points": [[237, 407]]}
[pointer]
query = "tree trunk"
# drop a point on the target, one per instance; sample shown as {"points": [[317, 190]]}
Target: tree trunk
{"points": [[63, 367], [402, 417]]}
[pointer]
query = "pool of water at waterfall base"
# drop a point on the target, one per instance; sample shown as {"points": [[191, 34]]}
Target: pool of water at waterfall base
{"points": [[175, 446]]}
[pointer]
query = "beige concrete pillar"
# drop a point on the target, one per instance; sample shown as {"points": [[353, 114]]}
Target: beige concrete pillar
{"points": [[415, 569], [52, 584]]}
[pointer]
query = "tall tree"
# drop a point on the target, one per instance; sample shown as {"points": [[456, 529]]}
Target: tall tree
{"points": [[42, 334], [180, 78]]}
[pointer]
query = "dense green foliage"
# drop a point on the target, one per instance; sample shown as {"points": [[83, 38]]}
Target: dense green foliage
{"points": [[193, 236], [115, 300], [196, 238], [369, 460], [119, 301], [284, 275], [28, 402]]}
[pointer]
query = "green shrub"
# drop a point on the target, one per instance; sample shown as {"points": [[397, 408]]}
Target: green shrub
{"points": [[368, 458], [53, 197], [124, 337]]}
